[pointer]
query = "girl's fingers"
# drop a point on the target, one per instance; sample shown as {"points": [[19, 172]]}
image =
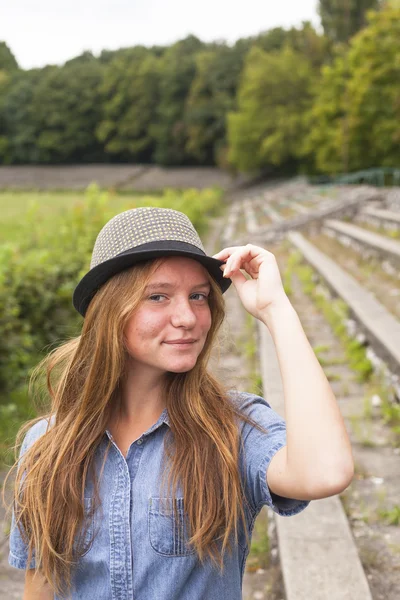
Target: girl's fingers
{"points": [[247, 257], [249, 249], [226, 252]]}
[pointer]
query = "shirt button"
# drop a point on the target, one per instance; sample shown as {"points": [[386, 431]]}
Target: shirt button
{"points": [[139, 442]]}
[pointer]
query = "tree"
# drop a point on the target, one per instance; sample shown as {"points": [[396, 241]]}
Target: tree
{"points": [[275, 93], [211, 96], [178, 69], [374, 89], [18, 128], [354, 123], [341, 19], [66, 107], [305, 40], [326, 136], [7, 59], [130, 96]]}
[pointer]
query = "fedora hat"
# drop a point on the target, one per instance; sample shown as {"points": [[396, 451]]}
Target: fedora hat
{"points": [[140, 234]]}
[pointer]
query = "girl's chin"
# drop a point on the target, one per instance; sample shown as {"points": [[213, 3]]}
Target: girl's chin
{"points": [[182, 368]]}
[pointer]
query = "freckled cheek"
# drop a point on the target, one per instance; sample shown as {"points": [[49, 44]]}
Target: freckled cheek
{"points": [[145, 329]]}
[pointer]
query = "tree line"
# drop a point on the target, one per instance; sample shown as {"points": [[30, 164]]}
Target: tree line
{"points": [[284, 101]]}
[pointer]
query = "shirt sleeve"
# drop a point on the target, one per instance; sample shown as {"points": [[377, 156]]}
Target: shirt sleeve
{"points": [[18, 550], [257, 452]]}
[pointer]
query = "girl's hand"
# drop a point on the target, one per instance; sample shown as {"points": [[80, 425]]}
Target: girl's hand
{"points": [[264, 290]]}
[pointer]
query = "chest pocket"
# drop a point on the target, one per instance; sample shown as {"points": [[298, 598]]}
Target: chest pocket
{"points": [[168, 535], [85, 541]]}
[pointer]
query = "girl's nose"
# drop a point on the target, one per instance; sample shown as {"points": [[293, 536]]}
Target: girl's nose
{"points": [[183, 315]]}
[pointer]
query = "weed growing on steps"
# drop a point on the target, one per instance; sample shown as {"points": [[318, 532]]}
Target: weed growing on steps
{"points": [[334, 310], [392, 515], [336, 313], [389, 409]]}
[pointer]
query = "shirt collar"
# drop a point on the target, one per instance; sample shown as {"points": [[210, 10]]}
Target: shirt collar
{"points": [[163, 418]]}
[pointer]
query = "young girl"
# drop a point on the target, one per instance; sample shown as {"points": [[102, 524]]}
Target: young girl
{"points": [[144, 480]]}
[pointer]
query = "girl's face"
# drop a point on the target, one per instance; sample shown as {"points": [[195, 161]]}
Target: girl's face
{"points": [[175, 309]]}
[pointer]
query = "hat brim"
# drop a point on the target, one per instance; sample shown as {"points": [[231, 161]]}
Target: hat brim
{"points": [[97, 276]]}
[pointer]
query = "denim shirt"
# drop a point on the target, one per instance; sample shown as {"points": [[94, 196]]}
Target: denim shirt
{"points": [[139, 552]]}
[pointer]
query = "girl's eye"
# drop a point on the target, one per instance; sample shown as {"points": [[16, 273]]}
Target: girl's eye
{"points": [[154, 296]]}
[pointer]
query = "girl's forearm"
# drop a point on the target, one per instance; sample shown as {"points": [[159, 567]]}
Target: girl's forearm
{"points": [[318, 446]]}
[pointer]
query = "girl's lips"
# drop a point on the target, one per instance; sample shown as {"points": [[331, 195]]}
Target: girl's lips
{"points": [[181, 343]]}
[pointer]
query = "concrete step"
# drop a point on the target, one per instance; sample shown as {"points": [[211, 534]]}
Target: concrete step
{"points": [[389, 216], [319, 558], [384, 245], [381, 328], [348, 204]]}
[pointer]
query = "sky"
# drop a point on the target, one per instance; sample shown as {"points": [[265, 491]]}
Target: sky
{"points": [[42, 32]]}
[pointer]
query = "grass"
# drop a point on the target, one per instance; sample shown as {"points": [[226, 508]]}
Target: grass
{"points": [[391, 516], [332, 376], [389, 408], [321, 348], [334, 310], [370, 557], [362, 431], [367, 411], [16, 206]]}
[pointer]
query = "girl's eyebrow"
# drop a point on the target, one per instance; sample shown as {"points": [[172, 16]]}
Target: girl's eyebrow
{"points": [[165, 285]]}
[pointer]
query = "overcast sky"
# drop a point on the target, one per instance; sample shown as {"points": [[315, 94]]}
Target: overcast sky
{"points": [[41, 32]]}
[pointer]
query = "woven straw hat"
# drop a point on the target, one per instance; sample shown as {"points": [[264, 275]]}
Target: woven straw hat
{"points": [[141, 234]]}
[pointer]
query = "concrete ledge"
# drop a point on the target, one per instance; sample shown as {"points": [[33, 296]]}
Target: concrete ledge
{"points": [[373, 240], [319, 558], [349, 205], [381, 327], [321, 561], [389, 216]]}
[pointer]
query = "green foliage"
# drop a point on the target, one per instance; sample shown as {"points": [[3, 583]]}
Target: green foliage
{"points": [[391, 516], [374, 110], [67, 107], [130, 96], [304, 40], [274, 95], [178, 69], [211, 95], [391, 415], [341, 19], [335, 312], [354, 121], [326, 131], [18, 131], [282, 102], [50, 115], [8, 61]]}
